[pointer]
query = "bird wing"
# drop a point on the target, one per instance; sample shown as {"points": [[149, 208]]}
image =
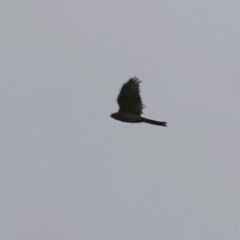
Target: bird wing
{"points": [[129, 99]]}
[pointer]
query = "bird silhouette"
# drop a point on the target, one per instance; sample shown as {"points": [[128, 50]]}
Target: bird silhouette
{"points": [[131, 106]]}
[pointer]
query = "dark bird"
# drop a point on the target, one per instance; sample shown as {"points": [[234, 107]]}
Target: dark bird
{"points": [[130, 104]]}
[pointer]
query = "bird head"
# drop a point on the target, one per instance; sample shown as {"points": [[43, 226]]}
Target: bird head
{"points": [[114, 115]]}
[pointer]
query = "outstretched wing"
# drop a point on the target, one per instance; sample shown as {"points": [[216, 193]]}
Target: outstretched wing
{"points": [[129, 99]]}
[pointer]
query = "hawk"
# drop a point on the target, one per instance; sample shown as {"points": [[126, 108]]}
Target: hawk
{"points": [[131, 106]]}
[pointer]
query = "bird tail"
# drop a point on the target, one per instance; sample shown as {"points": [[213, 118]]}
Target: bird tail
{"points": [[146, 120]]}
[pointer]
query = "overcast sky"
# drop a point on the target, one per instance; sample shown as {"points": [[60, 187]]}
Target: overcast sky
{"points": [[69, 171]]}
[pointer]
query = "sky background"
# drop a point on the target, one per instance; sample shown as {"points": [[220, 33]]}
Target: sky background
{"points": [[69, 171]]}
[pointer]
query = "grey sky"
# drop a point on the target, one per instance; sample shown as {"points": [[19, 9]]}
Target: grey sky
{"points": [[69, 171]]}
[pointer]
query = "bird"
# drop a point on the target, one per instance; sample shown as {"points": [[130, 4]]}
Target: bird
{"points": [[131, 106]]}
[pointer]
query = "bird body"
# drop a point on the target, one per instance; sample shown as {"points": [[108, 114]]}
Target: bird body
{"points": [[131, 106], [127, 117]]}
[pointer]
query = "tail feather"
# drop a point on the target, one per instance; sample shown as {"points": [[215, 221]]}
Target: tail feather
{"points": [[146, 120]]}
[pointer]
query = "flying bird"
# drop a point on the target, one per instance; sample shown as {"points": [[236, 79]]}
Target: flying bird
{"points": [[131, 106]]}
